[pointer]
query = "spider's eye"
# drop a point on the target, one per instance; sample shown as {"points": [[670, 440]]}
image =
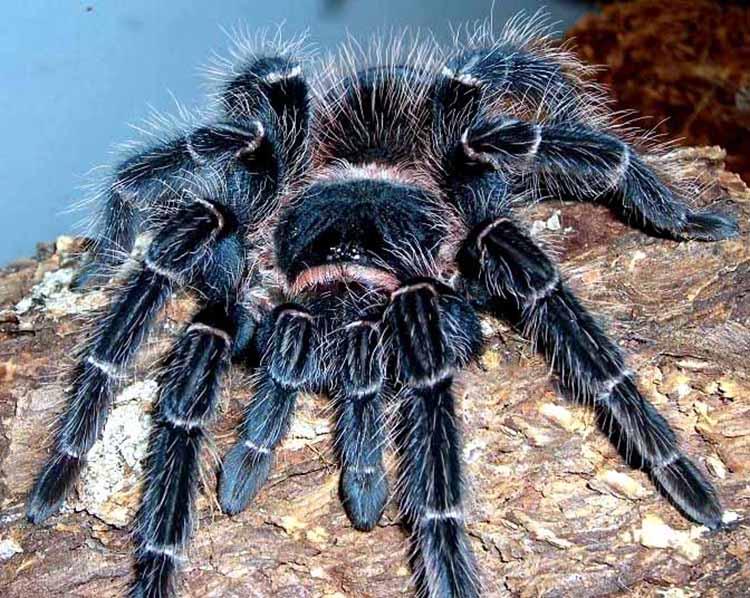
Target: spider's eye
{"points": [[336, 245]]}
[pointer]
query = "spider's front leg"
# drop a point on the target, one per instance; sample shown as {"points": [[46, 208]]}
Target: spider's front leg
{"points": [[513, 278], [587, 164], [177, 256], [434, 333], [284, 342]]}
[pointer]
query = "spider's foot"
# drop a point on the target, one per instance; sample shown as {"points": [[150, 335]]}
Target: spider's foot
{"points": [[690, 492], [243, 474], [51, 488], [364, 495], [155, 575], [445, 564], [709, 226]]}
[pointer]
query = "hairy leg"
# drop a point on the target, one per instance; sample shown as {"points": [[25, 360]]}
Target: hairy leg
{"points": [[509, 72], [360, 428], [248, 154], [179, 251], [189, 387], [587, 164], [284, 341], [513, 278], [433, 335]]}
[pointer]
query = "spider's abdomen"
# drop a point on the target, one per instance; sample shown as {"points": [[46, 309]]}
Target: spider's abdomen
{"points": [[376, 115]]}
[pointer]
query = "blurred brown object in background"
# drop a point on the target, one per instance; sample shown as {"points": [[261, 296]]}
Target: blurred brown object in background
{"points": [[685, 63]]}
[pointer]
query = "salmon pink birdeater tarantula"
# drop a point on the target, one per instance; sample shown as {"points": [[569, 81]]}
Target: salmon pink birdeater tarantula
{"points": [[343, 234]]}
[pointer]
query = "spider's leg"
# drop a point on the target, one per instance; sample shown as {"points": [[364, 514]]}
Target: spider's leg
{"points": [[434, 333], [513, 278], [591, 165], [178, 252], [360, 429], [285, 342], [508, 71], [189, 387], [262, 130], [139, 181], [146, 182]]}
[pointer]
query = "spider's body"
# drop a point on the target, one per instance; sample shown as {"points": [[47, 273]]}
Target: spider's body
{"points": [[347, 244]]}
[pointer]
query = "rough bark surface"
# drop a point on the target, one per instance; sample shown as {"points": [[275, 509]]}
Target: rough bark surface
{"points": [[554, 510]]}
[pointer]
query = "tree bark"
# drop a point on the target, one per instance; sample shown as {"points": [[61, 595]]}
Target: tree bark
{"points": [[554, 510]]}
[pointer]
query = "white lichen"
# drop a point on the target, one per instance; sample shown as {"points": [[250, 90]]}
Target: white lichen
{"points": [[654, 533], [553, 223], [110, 480], [54, 297], [8, 548]]}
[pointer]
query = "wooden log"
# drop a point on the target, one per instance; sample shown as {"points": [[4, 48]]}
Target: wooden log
{"points": [[554, 511]]}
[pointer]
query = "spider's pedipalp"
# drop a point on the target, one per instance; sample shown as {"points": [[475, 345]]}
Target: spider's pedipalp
{"points": [[284, 342], [418, 335], [360, 431], [424, 320], [514, 279]]}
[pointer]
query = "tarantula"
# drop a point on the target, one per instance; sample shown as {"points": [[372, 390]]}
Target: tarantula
{"points": [[345, 240]]}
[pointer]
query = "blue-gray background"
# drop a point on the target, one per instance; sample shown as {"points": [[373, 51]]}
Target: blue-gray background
{"points": [[74, 74]]}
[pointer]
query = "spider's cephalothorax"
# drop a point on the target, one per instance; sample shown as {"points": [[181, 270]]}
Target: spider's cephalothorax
{"points": [[348, 245]]}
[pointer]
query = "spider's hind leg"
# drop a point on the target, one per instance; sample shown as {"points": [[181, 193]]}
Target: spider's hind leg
{"points": [[270, 82], [490, 102], [586, 164], [137, 182], [472, 78], [262, 129], [513, 278], [147, 183]]}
